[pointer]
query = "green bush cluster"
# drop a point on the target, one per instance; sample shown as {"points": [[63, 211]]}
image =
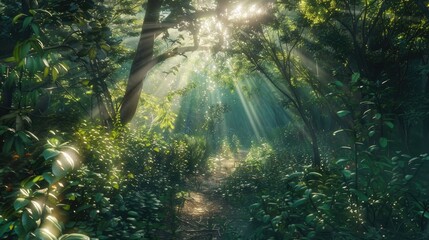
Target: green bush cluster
{"points": [[298, 202], [31, 206], [114, 183], [129, 180]]}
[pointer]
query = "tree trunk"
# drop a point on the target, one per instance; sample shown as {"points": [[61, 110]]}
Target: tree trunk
{"points": [[316, 161], [142, 61]]}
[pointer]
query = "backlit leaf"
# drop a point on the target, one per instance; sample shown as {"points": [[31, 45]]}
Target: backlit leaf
{"points": [[74, 236], [343, 113], [50, 153], [20, 203]]}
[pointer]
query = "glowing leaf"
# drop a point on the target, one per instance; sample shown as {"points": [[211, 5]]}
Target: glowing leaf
{"points": [[20, 203], [74, 236], [343, 113], [50, 153]]}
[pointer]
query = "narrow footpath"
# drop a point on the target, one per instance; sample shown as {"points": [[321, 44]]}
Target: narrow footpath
{"points": [[204, 214]]}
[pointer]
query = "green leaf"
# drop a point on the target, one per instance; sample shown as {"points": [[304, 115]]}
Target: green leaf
{"points": [[299, 202], [63, 165], [310, 218], [83, 207], [425, 214], [50, 178], [132, 214], [360, 195], [276, 220], [26, 22], [266, 218], [383, 142], [347, 174], [314, 174], [58, 169], [85, 82], [25, 192], [19, 147], [92, 53], [98, 197], [371, 133], [45, 234], [339, 84], [36, 210], [7, 147], [45, 62], [343, 113], [37, 178], [74, 236], [53, 225], [35, 29], [338, 131], [28, 221], [341, 161], [50, 153], [293, 176], [9, 59], [55, 73], [377, 116], [6, 228], [311, 235], [17, 17], [254, 206], [389, 124], [325, 207], [106, 47], [408, 177], [32, 135], [355, 77], [20, 203]]}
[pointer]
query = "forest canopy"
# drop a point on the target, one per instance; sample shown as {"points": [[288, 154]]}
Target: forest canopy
{"points": [[307, 119]]}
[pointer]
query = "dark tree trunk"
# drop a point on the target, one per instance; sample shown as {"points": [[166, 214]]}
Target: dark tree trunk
{"points": [[316, 160], [142, 61], [6, 97]]}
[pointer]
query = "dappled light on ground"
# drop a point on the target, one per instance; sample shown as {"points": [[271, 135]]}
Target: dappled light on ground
{"points": [[203, 213]]}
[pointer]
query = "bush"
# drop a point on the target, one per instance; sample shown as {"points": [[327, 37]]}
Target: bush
{"points": [[291, 202]]}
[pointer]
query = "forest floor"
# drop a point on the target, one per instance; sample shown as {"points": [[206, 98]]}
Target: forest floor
{"points": [[204, 214]]}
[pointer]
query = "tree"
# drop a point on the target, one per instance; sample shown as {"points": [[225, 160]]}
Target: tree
{"points": [[65, 49], [184, 16], [385, 42], [270, 49]]}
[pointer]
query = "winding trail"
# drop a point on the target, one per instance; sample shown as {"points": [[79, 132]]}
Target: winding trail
{"points": [[204, 214]]}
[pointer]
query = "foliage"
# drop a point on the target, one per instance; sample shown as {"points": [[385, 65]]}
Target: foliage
{"points": [[291, 202], [128, 181], [34, 207], [356, 69]]}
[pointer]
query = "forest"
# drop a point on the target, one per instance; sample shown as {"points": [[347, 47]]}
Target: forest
{"points": [[214, 119]]}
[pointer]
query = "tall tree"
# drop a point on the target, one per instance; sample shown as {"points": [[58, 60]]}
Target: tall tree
{"points": [[270, 49], [386, 42], [161, 16], [143, 59]]}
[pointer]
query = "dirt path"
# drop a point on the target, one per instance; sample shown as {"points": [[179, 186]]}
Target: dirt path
{"points": [[204, 214]]}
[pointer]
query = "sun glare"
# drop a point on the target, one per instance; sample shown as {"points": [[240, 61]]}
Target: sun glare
{"points": [[243, 13]]}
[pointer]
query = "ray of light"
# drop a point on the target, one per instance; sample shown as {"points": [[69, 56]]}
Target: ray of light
{"points": [[249, 115]]}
